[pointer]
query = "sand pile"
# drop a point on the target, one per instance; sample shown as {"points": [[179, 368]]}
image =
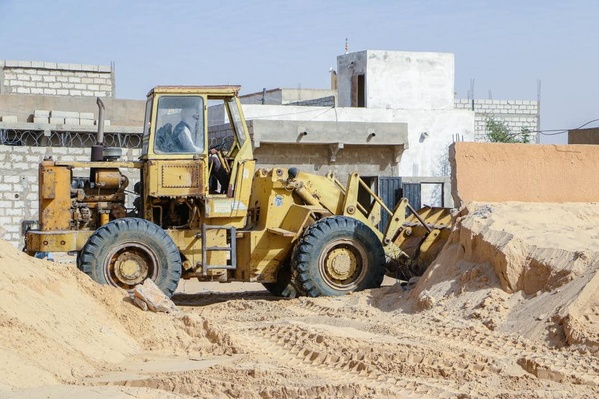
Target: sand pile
{"points": [[509, 309], [523, 268], [58, 326]]}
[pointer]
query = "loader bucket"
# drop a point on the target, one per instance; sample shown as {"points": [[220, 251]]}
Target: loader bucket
{"points": [[421, 238]]}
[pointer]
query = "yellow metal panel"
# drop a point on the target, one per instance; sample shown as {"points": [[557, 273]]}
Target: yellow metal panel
{"points": [[189, 243], [180, 178], [260, 254], [56, 241], [49, 241], [101, 165], [221, 207], [55, 197]]}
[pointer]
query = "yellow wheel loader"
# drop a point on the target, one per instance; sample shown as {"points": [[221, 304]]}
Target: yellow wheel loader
{"points": [[202, 210]]}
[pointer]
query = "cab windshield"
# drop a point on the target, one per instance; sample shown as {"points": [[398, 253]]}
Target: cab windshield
{"points": [[180, 126]]}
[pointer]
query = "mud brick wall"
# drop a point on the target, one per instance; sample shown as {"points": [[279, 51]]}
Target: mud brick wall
{"points": [[497, 172]]}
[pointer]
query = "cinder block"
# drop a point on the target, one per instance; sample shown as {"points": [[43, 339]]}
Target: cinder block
{"points": [[40, 119], [58, 114], [86, 122], [41, 113], [56, 120], [86, 115], [106, 122], [10, 118], [71, 114], [87, 67], [71, 121]]}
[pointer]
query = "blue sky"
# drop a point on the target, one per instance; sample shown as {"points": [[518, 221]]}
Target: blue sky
{"points": [[505, 46]]}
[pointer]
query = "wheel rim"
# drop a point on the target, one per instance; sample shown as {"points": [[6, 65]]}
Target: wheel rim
{"points": [[130, 264], [343, 264]]}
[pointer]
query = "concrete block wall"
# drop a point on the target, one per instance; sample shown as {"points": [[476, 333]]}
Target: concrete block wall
{"points": [[51, 78], [317, 102], [308, 97], [19, 183], [25, 108], [368, 160], [316, 159], [516, 114]]}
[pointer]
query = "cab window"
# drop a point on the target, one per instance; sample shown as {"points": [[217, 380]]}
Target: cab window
{"points": [[180, 126]]}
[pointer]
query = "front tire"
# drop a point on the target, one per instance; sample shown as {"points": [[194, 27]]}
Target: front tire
{"points": [[287, 285], [337, 255], [126, 251]]}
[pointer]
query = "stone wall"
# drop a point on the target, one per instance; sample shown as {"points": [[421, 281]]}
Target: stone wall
{"points": [[516, 114], [19, 183], [51, 78], [498, 172]]}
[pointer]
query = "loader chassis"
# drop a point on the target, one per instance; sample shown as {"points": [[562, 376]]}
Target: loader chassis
{"points": [[296, 233]]}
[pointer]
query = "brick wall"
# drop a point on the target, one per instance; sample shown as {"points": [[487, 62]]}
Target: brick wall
{"points": [[51, 78], [516, 114], [19, 183]]}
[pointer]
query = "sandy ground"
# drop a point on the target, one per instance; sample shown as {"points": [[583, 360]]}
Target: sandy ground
{"points": [[509, 309]]}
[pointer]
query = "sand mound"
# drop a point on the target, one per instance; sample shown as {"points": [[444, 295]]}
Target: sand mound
{"points": [[509, 309], [526, 268], [58, 326]]}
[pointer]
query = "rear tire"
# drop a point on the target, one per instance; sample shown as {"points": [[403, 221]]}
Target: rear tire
{"points": [[126, 251], [337, 255]]}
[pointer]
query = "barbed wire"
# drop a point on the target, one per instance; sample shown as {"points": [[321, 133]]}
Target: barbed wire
{"points": [[36, 138]]}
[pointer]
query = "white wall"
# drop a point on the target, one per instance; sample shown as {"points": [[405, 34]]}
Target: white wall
{"points": [[398, 79]]}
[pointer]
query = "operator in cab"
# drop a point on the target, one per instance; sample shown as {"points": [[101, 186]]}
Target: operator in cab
{"points": [[186, 130]]}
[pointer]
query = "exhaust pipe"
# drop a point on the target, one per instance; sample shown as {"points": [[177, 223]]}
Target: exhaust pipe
{"points": [[97, 149]]}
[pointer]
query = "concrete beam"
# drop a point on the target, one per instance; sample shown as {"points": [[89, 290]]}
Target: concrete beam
{"points": [[328, 132]]}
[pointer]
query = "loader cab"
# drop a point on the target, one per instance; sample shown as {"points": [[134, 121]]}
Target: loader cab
{"points": [[195, 146]]}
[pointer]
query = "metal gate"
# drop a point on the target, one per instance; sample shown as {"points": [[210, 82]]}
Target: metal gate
{"points": [[392, 189]]}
